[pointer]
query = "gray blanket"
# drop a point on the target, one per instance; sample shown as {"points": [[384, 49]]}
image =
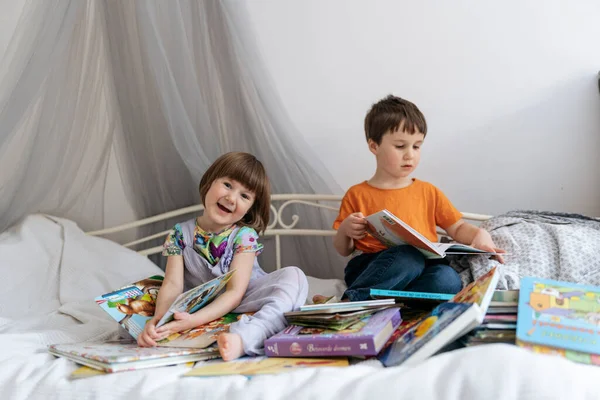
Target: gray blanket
{"points": [[542, 244]]}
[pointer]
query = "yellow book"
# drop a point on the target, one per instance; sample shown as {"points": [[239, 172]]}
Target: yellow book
{"points": [[249, 366]]}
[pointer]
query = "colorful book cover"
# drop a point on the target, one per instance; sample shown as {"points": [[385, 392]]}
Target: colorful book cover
{"points": [[366, 337], [250, 366], [576, 356], [134, 305], [559, 314], [431, 334], [446, 323], [392, 231], [118, 356], [203, 335], [480, 291]]}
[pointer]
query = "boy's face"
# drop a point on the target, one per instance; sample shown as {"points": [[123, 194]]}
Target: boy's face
{"points": [[399, 153]]}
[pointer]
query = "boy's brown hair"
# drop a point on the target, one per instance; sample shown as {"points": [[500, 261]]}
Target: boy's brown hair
{"points": [[391, 114], [249, 171]]}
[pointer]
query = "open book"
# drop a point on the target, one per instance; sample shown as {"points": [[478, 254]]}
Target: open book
{"points": [[133, 305], [392, 231], [447, 322]]}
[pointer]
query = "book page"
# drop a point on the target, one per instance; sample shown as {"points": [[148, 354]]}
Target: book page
{"points": [[196, 298], [457, 248], [392, 231]]}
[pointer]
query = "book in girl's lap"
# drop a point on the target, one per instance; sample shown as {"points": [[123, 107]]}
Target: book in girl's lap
{"points": [[395, 130], [236, 197]]}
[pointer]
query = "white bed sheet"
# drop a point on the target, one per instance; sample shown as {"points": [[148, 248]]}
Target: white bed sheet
{"points": [[51, 270]]}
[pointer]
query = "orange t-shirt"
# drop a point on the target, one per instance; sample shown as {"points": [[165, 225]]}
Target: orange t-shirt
{"points": [[421, 205]]}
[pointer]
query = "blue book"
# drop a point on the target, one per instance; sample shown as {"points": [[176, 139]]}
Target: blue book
{"points": [[404, 295], [559, 314]]}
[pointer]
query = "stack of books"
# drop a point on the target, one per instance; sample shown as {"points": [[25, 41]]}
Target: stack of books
{"points": [[500, 322], [336, 329], [560, 318], [126, 355]]}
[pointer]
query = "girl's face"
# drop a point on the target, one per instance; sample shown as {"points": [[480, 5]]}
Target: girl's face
{"points": [[226, 203]]}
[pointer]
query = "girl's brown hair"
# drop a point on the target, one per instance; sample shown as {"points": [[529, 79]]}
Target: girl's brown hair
{"points": [[249, 171]]}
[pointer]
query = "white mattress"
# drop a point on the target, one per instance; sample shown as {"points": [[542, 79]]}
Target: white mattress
{"points": [[51, 271]]}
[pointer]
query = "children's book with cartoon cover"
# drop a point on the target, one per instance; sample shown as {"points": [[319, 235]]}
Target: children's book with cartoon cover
{"points": [[250, 366], [446, 323], [576, 356], [559, 314], [132, 306], [392, 231], [124, 356], [363, 338]]}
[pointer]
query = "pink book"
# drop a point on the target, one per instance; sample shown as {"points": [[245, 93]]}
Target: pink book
{"points": [[365, 338]]}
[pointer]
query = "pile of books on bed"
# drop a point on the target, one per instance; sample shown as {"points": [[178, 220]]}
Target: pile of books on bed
{"points": [[336, 329], [427, 332], [500, 322]]}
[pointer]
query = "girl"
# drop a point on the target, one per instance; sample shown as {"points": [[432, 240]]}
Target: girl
{"points": [[236, 196]]}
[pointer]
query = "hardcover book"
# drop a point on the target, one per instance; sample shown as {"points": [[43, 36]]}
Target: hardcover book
{"points": [[392, 231], [132, 306], [446, 323], [119, 356], [559, 314], [363, 338]]}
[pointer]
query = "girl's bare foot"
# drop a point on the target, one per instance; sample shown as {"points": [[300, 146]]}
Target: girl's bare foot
{"points": [[320, 299], [230, 346]]}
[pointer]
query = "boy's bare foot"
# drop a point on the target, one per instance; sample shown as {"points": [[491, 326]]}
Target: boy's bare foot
{"points": [[230, 346]]}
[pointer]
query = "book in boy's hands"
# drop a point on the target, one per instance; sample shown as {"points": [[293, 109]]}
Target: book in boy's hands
{"points": [[560, 315], [125, 356], [447, 322], [421, 300], [392, 231], [250, 366], [133, 306], [363, 338]]}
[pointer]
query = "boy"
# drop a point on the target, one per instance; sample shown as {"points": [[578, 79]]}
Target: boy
{"points": [[395, 130]]}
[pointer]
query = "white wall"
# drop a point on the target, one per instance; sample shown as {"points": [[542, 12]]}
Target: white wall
{"points": [[508, 88]]}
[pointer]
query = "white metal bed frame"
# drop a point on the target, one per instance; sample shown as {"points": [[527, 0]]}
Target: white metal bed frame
{"points": [[277, 227]]}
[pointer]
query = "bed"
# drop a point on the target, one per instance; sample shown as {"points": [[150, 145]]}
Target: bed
{"points": [[51, 271]]}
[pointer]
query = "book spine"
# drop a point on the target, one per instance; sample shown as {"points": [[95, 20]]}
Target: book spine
{"points": [[315, 346], [411, 295]]}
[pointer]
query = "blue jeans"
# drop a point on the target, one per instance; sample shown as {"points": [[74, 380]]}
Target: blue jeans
{"points": [[398, 268]]}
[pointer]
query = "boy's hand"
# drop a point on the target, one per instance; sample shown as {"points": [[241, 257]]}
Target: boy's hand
{"points": [[148, 336], [182, 321], [354, 226], [483, 241]]}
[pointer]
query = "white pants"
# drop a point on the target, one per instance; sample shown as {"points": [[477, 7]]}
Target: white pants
{"points": [[270, 296]]}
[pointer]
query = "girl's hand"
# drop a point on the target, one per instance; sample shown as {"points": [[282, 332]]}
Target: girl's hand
{"points": [[354, 226], [149, 336], [182, 321], [483, 241]]}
